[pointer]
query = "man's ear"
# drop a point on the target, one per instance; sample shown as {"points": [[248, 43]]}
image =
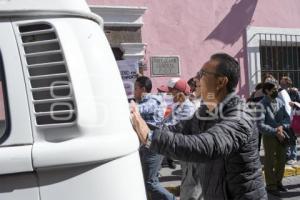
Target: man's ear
{"points": [[144, 90], [222, 82]]}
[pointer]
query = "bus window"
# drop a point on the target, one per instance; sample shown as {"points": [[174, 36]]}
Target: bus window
{"points": [[3, 104]]}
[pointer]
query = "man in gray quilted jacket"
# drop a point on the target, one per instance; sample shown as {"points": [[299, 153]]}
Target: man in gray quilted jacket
{"points": [[221, 138]]}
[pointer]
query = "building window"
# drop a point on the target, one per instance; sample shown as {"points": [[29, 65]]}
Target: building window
{"points": [[279, 57], [275, 51]]}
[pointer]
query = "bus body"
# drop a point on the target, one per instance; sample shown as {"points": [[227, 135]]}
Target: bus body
{"points": [[65, 131]]}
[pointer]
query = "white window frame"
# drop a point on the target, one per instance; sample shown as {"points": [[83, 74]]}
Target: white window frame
{"points": [[120, 16], [253, 54], [133, 50], [124, 16]]}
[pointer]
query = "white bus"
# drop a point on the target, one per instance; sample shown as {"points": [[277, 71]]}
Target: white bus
{"points": [[65, 132]]}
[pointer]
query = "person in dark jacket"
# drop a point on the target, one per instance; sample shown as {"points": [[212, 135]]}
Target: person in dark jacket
{"points": [[221, 137]]}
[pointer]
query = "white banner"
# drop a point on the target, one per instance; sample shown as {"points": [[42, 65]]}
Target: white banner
{"points": [[129, 71]]}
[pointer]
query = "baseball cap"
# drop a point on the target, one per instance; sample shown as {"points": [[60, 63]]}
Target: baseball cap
{"points": [[172, 82], [163, 88], [179, 84]]}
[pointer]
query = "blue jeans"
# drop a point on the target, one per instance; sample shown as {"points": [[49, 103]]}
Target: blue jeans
{"points": [[151, 163], [291, 153]]}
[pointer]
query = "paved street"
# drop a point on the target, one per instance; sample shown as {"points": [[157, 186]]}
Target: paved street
{"points": [[293, 184], [170, 178]]}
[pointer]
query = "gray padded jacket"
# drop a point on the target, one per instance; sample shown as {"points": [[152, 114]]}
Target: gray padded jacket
{"points": [[220, 151]]}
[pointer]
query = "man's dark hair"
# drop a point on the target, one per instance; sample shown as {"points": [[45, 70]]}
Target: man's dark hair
{"points": [[228, 67], [267, 86], [259, 86], [145, 82], [192, 83]]}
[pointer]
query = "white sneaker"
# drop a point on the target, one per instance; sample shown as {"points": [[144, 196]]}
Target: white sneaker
{"points": [[291, 162]]}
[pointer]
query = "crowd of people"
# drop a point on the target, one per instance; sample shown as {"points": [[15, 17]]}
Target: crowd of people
{"points": [[278, 101], [214, 134]]}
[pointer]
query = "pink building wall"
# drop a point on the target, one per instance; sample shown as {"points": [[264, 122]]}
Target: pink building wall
{"points": [[195, 29]]}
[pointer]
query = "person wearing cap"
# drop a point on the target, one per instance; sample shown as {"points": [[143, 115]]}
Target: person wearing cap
{"points": [[272, 123], [220, 138], [163, 89], [183, 108]]}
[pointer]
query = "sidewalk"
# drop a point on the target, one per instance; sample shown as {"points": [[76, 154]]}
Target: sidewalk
{"points": [[293, 185], [290, 170], [291, 179]]}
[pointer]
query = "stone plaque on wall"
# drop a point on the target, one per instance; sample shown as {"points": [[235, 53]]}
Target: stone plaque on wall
{"points": [[165, 66]]}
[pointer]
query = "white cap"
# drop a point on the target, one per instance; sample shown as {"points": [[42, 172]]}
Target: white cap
{"points": [[172, 82]]}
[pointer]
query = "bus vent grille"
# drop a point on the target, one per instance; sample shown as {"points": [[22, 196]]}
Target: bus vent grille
{"points": [[51, 87]]}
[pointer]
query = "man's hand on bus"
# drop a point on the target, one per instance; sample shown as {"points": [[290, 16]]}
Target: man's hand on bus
{"points": [[138, 123]]}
